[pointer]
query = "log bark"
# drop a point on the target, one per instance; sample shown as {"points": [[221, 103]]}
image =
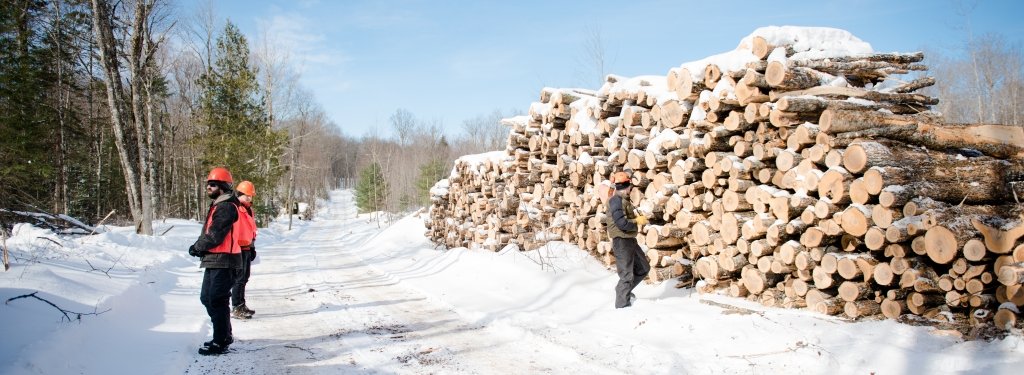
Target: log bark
{"points": [[831, 306], [852, 291], [756, 281], [664, 237], [940, 176], [1011, 274], [835, 121], [1000, 141], [862, 308], [780, 77], [912, 100], [877, 178]]}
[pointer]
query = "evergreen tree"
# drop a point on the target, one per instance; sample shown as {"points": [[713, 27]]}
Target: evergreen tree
{"points": [[430, 174], [67, 34], [26, 166], [372, 189], [238, 132]]}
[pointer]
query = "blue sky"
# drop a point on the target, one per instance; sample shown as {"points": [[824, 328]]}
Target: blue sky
{"points": [[448, 61]]}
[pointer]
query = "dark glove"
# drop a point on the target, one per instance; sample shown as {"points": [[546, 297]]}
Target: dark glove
{"points": [[253, 256], [192, 251]]}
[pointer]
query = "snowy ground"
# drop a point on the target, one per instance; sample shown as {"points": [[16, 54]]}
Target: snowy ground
{"points": [[340, 295]]}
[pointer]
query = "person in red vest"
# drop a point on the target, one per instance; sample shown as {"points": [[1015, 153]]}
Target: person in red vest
{"points": [[246, 240], [219, 253]]}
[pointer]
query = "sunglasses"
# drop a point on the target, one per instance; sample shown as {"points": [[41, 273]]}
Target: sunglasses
{"points": [[212, 184]]}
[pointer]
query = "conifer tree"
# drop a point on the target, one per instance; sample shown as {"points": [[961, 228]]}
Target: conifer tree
{"points": [[25, 122], [430, 174], [372, 189], [238, 131]]}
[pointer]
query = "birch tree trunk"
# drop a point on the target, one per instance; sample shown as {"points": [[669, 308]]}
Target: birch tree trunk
{"points": [[127, 124]]}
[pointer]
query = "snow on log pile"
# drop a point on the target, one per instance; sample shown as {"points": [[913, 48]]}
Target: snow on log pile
{"points": [[801, 169]]}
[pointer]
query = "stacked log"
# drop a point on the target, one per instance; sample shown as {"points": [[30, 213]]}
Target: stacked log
{"points": [[777, 172]]}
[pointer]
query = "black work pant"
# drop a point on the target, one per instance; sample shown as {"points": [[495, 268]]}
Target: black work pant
{"points": [[216, 296], [632, 266], [241, 278]]}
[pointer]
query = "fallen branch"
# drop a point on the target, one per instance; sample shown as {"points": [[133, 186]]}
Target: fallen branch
{"points": [[797, 345], [52, 220], [67, 313], [731, 308], [101, 222], [51, 240], [168, 230], [107, 271], [312, 355]]}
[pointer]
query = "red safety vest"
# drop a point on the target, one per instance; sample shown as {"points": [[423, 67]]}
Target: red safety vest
{"points": [[246, 227], [230, 243]]}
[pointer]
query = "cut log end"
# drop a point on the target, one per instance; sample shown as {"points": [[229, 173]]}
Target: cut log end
{"points": [[940, 244], [999, 241], [1005, 319]]}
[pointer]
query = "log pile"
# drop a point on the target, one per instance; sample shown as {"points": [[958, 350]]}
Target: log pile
{"points": [[782, 172]]}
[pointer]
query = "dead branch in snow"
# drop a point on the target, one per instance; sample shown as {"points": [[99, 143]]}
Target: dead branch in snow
{"points": [[67, 313]]}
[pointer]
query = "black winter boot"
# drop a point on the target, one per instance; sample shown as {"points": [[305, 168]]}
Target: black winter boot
{"points": [[213, 348]]}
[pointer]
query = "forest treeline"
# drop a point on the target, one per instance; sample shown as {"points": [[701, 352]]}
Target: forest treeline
{"points": [[124, 106]]}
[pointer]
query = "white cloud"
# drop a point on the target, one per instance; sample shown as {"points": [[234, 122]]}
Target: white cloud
{"points": [[309, 47]]}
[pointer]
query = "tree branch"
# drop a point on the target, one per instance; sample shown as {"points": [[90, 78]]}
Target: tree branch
{"points": [[67, 313]]}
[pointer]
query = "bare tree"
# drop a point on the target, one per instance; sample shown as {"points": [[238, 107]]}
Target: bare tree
{"points": [[404, 123], [485, 133], [984, 85], [202, 30], [182, 157], [594, 57], [278, 79], [128, 108], [60, 193]]}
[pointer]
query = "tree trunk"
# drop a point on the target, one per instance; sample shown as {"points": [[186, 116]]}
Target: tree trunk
{"points": [[1001, 141], [103, 29]]}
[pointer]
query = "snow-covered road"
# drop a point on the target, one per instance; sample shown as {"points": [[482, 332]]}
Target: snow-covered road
{"points": [[342, 295], [322, 309]]}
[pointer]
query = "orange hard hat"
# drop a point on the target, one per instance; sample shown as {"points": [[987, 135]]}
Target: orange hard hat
{"points": [[220, 174], [620, 177], [245, 187]]}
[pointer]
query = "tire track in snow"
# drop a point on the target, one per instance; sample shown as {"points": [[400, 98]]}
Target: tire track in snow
{"points": [[321, 309]]}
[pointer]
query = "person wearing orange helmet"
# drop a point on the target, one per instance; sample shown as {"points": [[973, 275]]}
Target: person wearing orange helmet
{"points": [[219, 255], [246, 239], [623, 225]]}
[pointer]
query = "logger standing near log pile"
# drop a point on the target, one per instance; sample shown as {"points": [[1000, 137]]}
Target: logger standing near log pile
{"points": [[623, 225]]}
